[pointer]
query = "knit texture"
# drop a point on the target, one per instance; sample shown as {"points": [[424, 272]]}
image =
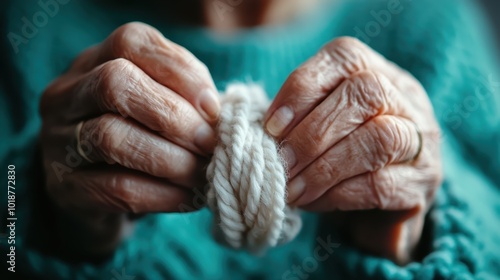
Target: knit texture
{"points": [[444, 44], [247, 177]]}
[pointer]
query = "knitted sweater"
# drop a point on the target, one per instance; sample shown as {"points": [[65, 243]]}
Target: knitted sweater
{"points": [[445, 44]]}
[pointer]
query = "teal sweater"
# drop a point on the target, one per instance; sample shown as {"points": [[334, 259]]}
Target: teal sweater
{"points": [[445, 44]]}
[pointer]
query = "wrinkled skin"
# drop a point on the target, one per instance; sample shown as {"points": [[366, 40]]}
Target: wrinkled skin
{"points": [[149, 107], [349, 121]]}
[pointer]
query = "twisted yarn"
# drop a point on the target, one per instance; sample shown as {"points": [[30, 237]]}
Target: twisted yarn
{"points": [[247, 177]]}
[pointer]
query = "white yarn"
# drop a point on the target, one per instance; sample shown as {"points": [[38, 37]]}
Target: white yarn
{"points": [[247, 177]]}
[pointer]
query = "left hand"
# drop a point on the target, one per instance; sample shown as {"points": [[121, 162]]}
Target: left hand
{"points": [[350, 122]]}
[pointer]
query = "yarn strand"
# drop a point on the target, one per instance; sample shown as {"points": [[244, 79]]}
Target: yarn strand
{"points": [[247, 177]]}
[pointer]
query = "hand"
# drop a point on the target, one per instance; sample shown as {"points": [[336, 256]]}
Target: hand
{"points": [[146, 106], [350, 122]]}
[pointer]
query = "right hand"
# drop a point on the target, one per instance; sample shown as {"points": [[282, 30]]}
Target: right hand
{"points": [[147, 107]]}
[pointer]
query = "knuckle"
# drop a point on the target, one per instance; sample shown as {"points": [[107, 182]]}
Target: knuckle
{"points": [[116, 68], [106, 134], [388, 135], [100, 132], [384, 142], [350, 52], [298, 80], [174, 114], [122, 39], [326, 171], [170, 115], [114, 83], [369, 90]]}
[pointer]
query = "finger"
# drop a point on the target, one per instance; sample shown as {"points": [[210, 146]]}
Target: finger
{"points": [[358, 99], [395, 187], [164, 61], [382, 141], [117, 189], [120, 87], [313, 81], [113, 139]]}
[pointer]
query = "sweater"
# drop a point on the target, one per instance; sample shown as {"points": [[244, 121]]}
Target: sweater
{"points": [[445, 44]]}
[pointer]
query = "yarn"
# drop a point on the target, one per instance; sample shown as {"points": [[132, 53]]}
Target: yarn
{"points": [[247, 177]]}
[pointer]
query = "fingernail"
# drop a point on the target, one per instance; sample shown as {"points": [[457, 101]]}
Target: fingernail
{"points": [[288, 156], [296, 188], [209, 104], [279, 121], [205, 138]]}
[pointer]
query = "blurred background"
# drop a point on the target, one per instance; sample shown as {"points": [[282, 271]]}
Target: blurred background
{"points": [[493, 9]]}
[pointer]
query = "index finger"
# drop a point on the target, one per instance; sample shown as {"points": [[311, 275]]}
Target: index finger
{"points": [[164, 61], [318, 77]]}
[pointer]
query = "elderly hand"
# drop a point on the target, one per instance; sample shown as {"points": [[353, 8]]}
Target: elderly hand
{"points": [[359, 133], [142, 107]]}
